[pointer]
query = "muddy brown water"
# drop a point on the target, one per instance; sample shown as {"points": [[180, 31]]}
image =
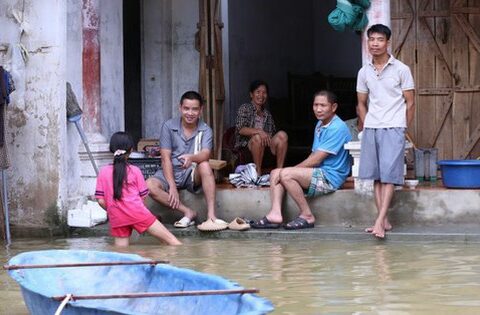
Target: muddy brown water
{"points": [[311, 277]]}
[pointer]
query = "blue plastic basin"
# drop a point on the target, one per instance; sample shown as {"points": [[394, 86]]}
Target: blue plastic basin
{"points": [[460, 173]]}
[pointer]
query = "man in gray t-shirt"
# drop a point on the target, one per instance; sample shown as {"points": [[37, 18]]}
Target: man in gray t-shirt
{"points": [[185, 146], [386, 85]]}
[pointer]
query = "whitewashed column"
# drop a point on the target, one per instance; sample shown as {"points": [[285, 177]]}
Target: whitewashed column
{"points": [[91, 83], [378, 13]]}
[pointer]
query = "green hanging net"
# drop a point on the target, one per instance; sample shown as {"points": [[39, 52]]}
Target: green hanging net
{"points": [[349, 14]]}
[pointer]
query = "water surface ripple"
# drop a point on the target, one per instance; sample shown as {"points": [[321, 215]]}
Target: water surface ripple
{"points": [[311, 277]]}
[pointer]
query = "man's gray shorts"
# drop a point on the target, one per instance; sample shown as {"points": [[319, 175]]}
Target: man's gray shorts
{"points": [[183, 180], [382, 155]]}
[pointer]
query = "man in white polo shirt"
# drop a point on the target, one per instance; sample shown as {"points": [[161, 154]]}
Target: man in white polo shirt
{"points": [[385, 92]]}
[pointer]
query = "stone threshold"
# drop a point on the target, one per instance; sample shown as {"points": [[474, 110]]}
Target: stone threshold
{"points": [[464, 233], [458, 233]]}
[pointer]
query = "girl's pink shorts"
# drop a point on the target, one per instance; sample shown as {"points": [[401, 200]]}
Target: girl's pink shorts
{"points": [[140, 227]]}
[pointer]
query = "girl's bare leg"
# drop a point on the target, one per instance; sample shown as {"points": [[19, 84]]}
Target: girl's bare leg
{"points": [[159, 231], [122, 241]]}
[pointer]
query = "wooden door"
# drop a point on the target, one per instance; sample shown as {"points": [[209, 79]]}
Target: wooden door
{"points": [[440, 41], [211, 81]]}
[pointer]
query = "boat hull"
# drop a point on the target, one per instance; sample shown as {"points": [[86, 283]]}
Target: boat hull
{"points": [[39, 285]]}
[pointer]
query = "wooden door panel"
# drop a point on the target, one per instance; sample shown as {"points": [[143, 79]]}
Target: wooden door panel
{"points": [[443, 79], [474, 20], [403, 37], [433, 72], [445, 38], [461, 105]]}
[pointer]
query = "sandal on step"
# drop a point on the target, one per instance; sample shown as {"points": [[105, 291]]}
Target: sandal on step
{"points": [[184, 223], [264, 223], [298, 223], [212, 225], [239, 224]]}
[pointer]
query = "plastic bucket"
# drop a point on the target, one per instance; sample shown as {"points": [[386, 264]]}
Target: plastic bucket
{"points": [[460, 173]]}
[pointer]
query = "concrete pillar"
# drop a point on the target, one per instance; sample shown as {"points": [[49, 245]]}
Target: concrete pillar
{"points": [[378, 13], [91, 85], [91, 66]]}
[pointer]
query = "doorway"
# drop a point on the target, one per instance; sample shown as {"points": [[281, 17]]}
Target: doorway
{"points": [[291, 46], [132, 65]]}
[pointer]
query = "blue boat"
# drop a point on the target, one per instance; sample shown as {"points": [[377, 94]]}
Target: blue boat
{"points": [[77, 272]]}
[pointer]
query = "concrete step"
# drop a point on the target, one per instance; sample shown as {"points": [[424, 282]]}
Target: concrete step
{"points": [[428, 204], [457, 233]]}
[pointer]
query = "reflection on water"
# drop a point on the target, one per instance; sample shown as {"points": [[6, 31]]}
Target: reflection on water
{"points": [[311, 277]]}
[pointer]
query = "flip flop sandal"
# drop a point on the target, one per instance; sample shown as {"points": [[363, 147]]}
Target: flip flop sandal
{"points": [[264, 223], [298, 223], [184, 223]]}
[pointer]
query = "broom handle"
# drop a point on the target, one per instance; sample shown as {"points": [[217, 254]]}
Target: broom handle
{"points": [[5, 208], [85, 143]]}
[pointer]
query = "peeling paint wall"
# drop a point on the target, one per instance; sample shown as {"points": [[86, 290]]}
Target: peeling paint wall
{"points": [[44, 177], [36, 117], [71, 171], [112, 109]]}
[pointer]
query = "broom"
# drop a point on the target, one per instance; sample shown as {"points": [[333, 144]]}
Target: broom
{"points": [[74, 114]]}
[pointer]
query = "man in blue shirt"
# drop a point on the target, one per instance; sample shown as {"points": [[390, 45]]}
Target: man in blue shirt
{"points": [[322, 172]]}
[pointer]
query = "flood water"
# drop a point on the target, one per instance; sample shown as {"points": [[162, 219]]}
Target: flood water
{"points": [[313, 277]]}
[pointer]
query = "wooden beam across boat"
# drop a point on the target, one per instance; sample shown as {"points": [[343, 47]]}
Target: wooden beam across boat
{"points": [[154, 294], [89, 264]]}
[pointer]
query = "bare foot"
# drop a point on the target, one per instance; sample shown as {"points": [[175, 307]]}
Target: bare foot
{"points": [[190, 214], [386, 224], [310, 218], [378, 230], [369, 230], [380, 235], [274, 218]]}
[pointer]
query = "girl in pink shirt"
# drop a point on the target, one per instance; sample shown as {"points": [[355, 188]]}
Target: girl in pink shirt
{"points": [[121, 190]]}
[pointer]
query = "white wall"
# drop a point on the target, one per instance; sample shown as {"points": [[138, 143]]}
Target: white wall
{"points": [[111, 60], [36, 118], [170, 61], [185, 60], [157, 65], [71, 172]]}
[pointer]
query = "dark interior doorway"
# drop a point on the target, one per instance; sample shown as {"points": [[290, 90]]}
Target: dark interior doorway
{"points": [[296, 57], [132, 68]]}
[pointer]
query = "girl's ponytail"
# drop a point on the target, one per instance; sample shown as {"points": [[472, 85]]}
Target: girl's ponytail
{"points": [[121, 144], [119, 171]]}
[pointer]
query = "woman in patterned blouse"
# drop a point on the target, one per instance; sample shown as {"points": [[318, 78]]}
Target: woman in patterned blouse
{"points": [[255, 128]]}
